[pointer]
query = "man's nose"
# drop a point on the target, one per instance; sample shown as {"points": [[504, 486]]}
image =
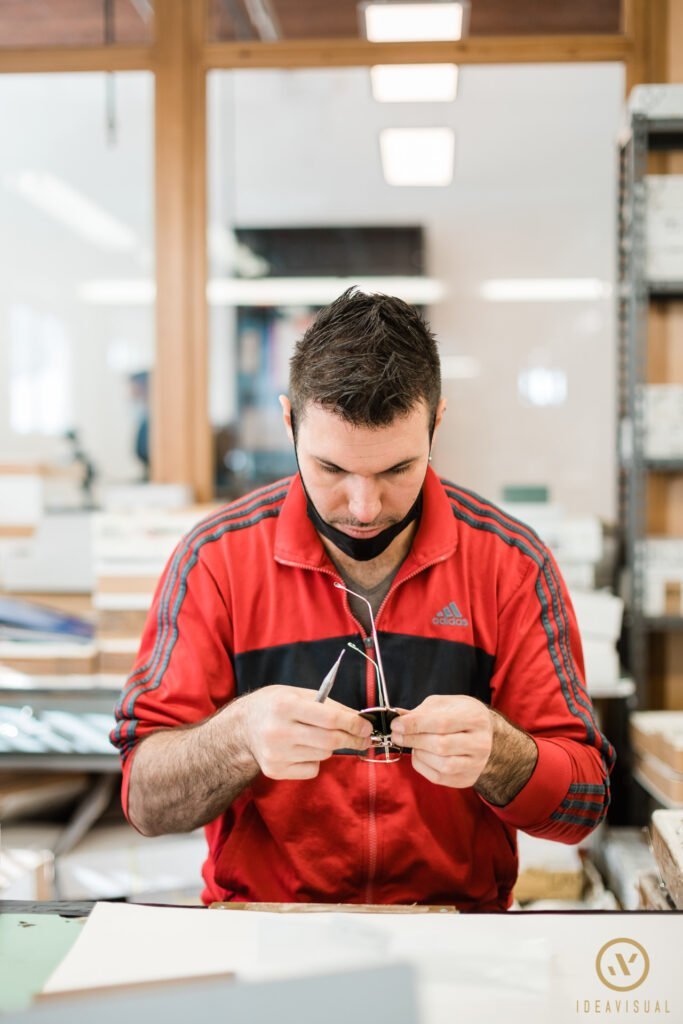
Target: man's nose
{"points": [[365, 504]]}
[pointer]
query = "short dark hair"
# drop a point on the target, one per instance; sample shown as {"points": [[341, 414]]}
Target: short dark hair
{"points": [[368, 358]]}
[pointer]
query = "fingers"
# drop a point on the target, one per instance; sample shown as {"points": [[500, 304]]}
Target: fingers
{"points": [[289, 731], [441, 715], [456, 772], [329, 715]]}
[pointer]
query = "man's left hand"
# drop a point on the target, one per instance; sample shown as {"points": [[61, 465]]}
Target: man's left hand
{"points": [[451, 738], [457, 741]]}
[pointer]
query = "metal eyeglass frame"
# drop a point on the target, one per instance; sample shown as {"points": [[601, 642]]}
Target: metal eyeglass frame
{"points": [[382, 748]]}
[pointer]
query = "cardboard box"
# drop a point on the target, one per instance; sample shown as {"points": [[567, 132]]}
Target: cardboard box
{"points": [[601, 662], [547, 870], [599, 614], [21, 499], [117, 655], [659, 734], [652, 895], [666, 671], [667, 845], [49, 658], [664, 780], [656, 101], [663, 417]]}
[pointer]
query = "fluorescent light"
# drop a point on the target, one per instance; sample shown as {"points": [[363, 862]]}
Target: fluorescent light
{"points": [[318, 291], [64, 204], [545, 289], [411, 22], [417, 156], [542, 386], [137, 292], [269, 291], [414, 83]]}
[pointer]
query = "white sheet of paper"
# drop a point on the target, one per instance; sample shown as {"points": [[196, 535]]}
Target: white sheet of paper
{"points": [[123, 943], [540, 967]]}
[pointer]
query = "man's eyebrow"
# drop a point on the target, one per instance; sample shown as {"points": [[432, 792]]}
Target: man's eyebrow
{"points": [[390, 469]]}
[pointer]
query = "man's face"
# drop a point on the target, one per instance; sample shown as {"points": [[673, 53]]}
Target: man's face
{"points": [[362, 479]]}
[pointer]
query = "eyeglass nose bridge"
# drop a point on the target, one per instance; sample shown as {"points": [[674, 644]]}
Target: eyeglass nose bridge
{"points": [[382, 749]]}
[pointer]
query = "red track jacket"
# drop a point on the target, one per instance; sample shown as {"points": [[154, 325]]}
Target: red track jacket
{"points": [[478, 607]]}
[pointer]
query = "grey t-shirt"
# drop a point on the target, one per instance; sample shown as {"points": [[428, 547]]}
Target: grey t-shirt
{"points": [[375, 595]]}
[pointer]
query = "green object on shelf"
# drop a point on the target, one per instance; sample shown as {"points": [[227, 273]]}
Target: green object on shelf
{"points": [[531, 493], [31, 946]]}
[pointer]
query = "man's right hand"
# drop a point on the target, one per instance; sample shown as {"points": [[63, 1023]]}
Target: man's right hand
{"points": [[289, 733]]}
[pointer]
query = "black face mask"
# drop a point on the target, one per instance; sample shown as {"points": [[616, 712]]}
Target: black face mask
{"points": [[361, 549]]}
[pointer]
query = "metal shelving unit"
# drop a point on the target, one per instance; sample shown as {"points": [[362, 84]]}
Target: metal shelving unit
{"points": [[645, 135]]}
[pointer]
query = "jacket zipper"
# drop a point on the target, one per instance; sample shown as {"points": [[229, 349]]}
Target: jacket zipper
{"points": [[369, 675]]}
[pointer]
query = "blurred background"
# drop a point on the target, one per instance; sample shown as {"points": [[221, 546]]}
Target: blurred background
{"points": [[182, 186]]}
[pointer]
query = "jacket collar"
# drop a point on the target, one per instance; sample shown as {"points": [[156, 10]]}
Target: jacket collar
{"points": [[298, 543]]}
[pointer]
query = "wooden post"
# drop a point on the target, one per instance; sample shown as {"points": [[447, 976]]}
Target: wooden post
{"points": [[180, 432], [646, 24]]}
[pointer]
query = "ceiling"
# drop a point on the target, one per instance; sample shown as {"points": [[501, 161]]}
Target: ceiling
{"points": [[300, 19], [32, 23]]}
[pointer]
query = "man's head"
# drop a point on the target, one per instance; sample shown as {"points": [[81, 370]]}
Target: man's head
{"points": [[365, 402], [368, 359]]}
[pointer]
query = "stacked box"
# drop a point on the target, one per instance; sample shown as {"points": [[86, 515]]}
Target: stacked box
{"points": [[663, 576], [667, 845], [657, 738], [47, 658], [21, 501], [663, 421], [583, 553], [664, 232], [130, 552], [657, 101]]}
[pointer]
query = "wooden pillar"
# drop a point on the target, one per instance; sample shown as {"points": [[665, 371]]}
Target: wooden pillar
{"points": [[180, 432], [647, 23]]}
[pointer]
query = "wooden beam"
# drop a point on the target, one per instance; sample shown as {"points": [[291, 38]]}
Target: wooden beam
{"points": [[360, 53], [646, 24], [180, 432], [77, 58]]}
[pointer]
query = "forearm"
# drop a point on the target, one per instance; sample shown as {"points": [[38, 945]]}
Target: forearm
{"points": [[183, 778], [510, 765]]}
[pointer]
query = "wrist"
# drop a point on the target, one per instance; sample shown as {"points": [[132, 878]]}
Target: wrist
{"points": [[230, 733], [510, 764]]}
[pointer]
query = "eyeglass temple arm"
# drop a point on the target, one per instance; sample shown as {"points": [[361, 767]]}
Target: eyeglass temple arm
{"points": [[380, 668]]}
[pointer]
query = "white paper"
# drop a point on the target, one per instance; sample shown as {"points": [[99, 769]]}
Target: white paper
{"points": [[537, 967]]}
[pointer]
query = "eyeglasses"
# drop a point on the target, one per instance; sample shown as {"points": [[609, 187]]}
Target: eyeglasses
{"points": [[381, 748]]}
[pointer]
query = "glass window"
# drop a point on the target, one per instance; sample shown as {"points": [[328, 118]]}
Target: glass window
{"points": [[77, 288]]}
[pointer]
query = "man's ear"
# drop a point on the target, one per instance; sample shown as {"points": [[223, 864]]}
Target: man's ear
{"points": [[438, 416], [286, 406]]}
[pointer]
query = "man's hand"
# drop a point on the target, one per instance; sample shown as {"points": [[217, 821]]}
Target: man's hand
{"points": [[289, 733], [457, 741]]}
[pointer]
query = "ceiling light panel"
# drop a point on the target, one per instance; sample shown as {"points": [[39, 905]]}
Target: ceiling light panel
{"points": [[417, 156], [414, 83], [413, 22]]}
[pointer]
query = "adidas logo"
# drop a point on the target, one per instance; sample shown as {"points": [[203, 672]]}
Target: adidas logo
{"points": [[450, 616]]}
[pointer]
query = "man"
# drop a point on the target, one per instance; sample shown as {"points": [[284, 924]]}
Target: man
{"points": [[219, 725]]}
